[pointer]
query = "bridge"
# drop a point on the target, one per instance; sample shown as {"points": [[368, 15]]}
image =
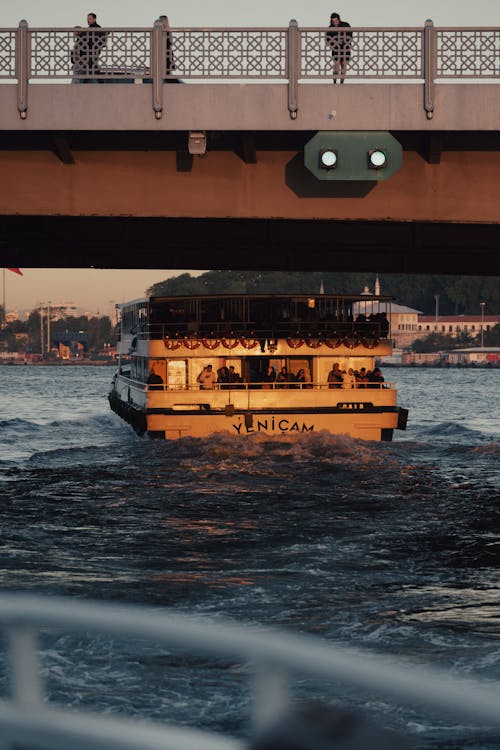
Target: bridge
{"points": [[210, 173]]}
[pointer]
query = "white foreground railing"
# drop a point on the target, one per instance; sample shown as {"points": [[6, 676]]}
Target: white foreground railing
{"points": [[27, 720]]}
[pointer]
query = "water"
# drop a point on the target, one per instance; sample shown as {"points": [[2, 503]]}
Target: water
{"points": [[392, 547]]}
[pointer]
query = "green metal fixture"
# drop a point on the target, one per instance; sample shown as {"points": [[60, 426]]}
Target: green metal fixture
{"points": [[353, 156]]}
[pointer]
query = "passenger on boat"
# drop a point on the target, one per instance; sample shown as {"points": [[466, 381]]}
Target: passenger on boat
{"points": [[269, 378], [303, 377], [349, 379], [282, 378], [207, 378], [223, 376], [234, 377], [361, 377], [375, 379], [155, 381], [335, 376]]}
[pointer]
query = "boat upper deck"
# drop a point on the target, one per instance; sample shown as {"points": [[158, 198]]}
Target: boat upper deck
{"points": [[258, 316]]}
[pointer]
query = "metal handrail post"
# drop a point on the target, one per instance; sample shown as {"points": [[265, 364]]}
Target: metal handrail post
{"points": [[22, 68], [158, 62], [293, 66], [26, 684], [271, 695], [430, 52]]}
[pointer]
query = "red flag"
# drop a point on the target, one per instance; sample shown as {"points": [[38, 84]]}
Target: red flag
{"points": [[16, 270]]}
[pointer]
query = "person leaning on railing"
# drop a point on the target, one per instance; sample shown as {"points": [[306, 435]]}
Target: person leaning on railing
{"points": [[340, 43]]}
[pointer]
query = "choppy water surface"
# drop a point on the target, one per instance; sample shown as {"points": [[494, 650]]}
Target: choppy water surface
{"points": [[392, 547]]}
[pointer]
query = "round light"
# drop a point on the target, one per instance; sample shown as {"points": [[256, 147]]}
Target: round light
{"points": [[328, 159], [378, 158]]}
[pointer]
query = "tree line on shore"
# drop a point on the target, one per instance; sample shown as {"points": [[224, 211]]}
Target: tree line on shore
{"points": [[26, 335]]}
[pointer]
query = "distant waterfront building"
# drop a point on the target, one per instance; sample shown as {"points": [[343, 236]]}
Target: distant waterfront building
{"points": [[60, 310], [474, 355], [403, 320], [70, 344], [408, 325], [454, 325]]}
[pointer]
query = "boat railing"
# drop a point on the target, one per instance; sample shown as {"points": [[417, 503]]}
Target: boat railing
{"points": [[254, 331], [275, 659], [260, 386]]}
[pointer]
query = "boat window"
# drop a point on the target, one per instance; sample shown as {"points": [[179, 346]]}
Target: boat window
{"points": [[177, 374], [139, 369]]}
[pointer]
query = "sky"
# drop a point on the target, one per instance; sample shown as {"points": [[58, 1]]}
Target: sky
{"points": [[97, 290], [92, 290], [193, 13]]}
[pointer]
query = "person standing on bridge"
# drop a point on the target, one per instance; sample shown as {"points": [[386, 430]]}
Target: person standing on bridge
{"points": [[340, 44], [96, 40]]}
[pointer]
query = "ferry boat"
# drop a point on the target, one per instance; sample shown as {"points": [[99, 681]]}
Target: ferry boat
{"points": [[271, 364]]}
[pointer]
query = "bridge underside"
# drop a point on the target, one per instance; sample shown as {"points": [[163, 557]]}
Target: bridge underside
{"points": [[139, 200], [250, 244]]}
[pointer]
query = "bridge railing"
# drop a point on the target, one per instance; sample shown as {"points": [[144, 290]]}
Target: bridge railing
{"points": [[467, 53], [259, 53], [290, 55]]}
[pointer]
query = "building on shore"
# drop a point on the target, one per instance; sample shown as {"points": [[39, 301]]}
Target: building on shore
{"points": [[454, 325], [484, 356], [407, 324], [474, 355]]}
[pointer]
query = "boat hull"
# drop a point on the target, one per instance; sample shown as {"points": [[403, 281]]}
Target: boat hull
{"points": [[358, 419]]}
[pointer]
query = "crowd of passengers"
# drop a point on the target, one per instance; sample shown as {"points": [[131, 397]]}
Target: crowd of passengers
{"points": [[227, 377], [361, 378]]}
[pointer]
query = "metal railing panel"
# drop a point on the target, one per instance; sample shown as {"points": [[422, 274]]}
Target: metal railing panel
{"points": [[101, 54], [468, 53], [372, 53], [7, 53], [229, 53]]}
